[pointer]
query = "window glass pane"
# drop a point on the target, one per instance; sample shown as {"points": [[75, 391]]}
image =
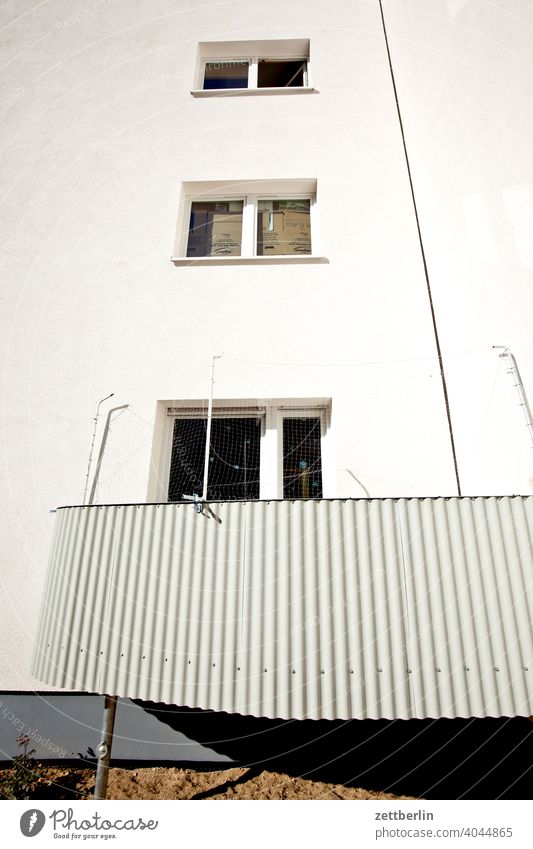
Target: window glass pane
{"points": [[302, 461], [215, 228], [233, 459], [283, 227], [226, 75], [187, 459], [272, 74]]}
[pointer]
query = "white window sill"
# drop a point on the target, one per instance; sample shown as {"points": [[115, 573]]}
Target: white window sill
{"points": [[240, 92], [292, 259]]}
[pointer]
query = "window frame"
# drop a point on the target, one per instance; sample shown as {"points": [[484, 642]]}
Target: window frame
{"points": [[249, 220], [304, 412], [215, 60], [250, 193], [253, 73], [253, 51], [197, 412], [271, 412]]}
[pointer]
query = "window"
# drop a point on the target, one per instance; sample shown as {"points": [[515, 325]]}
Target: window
{"points": [[255, 72], [233, 459], [252, 220], [272, 73], [219, 75], [302, 458], [215, 228], [253, 67], [283, 227], [272, 449]]}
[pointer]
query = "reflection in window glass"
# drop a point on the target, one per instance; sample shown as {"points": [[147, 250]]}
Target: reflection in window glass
{"points": [[226, 75], [276, 74], [283, 227], [215, 228], [302, 461]]}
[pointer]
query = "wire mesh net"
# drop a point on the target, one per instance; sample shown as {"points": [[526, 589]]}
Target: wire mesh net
{"points": [[234, 452]]}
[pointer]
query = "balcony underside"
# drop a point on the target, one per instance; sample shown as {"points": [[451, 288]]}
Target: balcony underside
{"points": [[383, 608]]}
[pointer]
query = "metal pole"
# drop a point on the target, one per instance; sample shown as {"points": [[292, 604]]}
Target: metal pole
{"points": [[208, 433], [103, 749], [519, 386], [102, 449], [92, 446]]}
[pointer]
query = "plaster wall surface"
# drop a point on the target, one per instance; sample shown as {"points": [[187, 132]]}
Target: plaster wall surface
{"points": [[99, 131]]}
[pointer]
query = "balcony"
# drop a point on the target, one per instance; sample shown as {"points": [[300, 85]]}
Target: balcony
{"points": [[335, 609]]}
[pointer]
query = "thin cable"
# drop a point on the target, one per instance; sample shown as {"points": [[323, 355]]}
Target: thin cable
{"points": [[423, 253], [358, 363]]}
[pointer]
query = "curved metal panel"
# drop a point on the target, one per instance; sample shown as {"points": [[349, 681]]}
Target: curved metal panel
{"points": [[393, 608]]}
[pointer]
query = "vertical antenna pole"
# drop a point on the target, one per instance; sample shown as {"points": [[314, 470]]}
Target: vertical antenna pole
{"points": [[519, 386], [208, 432], [102, 449], [92, 446]]}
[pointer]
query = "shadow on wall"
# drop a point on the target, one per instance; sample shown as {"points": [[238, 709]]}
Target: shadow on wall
{"points": [[435, 759]]}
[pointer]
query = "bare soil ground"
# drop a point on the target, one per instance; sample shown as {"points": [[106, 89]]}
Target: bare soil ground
{"points": [[175, 783]]}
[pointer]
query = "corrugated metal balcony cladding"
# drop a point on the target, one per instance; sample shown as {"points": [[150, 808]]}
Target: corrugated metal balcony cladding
{"points": [[309, 609]]}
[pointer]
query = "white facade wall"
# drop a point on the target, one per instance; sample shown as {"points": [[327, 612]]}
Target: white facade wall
{"points": [[99, 130]]}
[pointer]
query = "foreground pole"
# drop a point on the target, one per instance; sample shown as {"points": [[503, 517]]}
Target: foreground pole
{"points": [[104, 748], [110, 704]]}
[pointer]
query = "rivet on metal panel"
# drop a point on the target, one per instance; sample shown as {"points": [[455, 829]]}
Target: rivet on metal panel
{"points": [[379, 669], [496, 668], [351, 671], [214, 664], [293, 671], [439, 669], [238, 669], [467, 669], [265, 669], [321, 671], [409, 671], [188, 661], [525, 668], [144, 657]]}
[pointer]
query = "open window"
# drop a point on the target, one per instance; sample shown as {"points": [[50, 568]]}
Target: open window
{"points": [[253, 67], [281, 73]]}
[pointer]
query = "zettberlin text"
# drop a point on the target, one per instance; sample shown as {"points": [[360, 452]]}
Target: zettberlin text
{"points": [[404, 815]]}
